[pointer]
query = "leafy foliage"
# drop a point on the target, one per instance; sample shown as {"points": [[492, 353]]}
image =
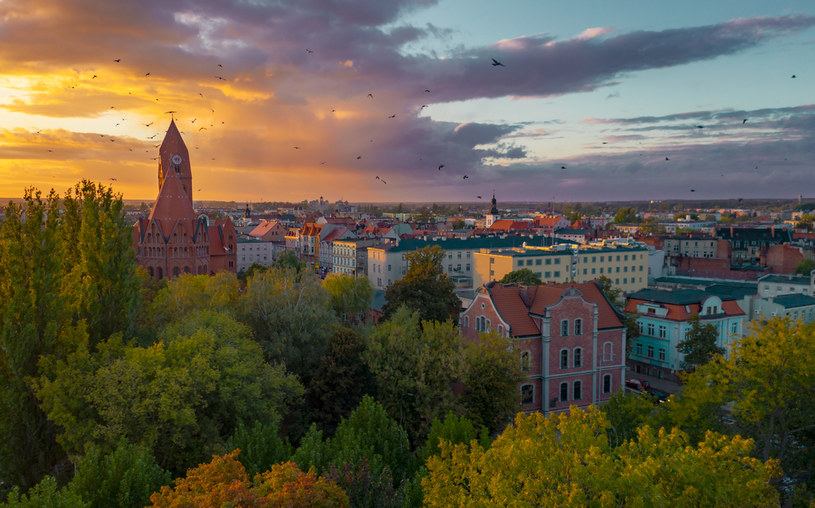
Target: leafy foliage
{"points": [[425, 288], [491, 376], [189, 293], [566, 460], [124, 478], [261, 446], [351, 297], [613, 294], [523, 276], [291, 317], [453, 430], [341, 380], [414, 367], [699, 346], [805, 267], [626, 215], [181, 399]]}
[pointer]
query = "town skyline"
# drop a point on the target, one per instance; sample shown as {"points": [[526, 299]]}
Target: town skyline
{"points": [[392, 103]]}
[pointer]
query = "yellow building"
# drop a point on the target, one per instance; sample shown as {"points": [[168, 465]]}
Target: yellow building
{"points": [[550, 264], [625, 264]]}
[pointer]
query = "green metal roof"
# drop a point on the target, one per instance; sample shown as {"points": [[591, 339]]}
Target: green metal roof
{"points": [[677, 296], [794, 300]]}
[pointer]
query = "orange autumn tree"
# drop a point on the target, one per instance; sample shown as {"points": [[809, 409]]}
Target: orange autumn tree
{"points": [[224, 482]]}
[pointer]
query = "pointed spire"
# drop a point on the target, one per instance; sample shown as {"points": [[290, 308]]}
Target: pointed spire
{"points": [[494, 209], [174, 156]]}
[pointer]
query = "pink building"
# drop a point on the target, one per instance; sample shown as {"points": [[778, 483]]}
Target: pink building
{"points": [[569, 339]]}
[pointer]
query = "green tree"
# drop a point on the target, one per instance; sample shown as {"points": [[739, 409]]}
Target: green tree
{"points": [[261, 446], [805, 267], [414, 365], [34, 321], [626, 413], [44, 495], [523, 276], [699, 345], [341, 380], [453, 430], [291, 316], [566, 460], [181, 397], [96, 246], [425, 288], [491, 376], [613, 294], [764, 378], [627, 215], [351, 297], [288, 260], [805, 222], [124, 478], [189, 293]]}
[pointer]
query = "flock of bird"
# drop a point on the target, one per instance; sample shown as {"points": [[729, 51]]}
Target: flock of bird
{"points": [[370, 95]]}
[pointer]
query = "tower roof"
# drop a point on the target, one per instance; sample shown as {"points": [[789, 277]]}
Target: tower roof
{"points": [[173, 155], [173, 206], [494, 209]]}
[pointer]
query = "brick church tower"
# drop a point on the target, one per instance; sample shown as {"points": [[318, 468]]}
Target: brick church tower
{"points": [[174, 239]]}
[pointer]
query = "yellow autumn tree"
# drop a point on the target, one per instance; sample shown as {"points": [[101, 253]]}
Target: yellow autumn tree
{"points": [[566, 460]]}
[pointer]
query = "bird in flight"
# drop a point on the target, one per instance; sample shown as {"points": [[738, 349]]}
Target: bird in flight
{"points": [[371, 95], [441, 166], [793, 76], [221, 66], [147, 74], [465, 177], [221, 78], [392, 116], [562, 167], [296, 147], [700, 126], [423, 106], [359, 157], [193, 120], [113, 179], [744, 121], [693, 190], [426, 90], [667, 159], [479, 197], [117, 60], [496, 63], [308, 51], [148, 124], [94, 76], [201, 129]]}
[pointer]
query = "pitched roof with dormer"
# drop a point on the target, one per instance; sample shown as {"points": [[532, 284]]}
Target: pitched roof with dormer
{"points": [[681, 304], [173, 209], [517, 305]]}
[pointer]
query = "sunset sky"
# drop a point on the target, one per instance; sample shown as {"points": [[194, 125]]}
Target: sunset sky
{"points": [[285, 100]]}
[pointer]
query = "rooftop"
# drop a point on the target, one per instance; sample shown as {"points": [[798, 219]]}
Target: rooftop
{"points": [[794, 300]]}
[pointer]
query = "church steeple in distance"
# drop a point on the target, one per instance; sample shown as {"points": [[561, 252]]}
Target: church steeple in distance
{"points": [[494, 209], [174, 156]]}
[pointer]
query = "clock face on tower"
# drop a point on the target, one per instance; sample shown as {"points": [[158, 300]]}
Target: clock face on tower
{"points": [[176, 159]]}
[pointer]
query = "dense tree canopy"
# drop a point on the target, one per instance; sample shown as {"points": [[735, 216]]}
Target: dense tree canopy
{"points": [[566, 460], [414, 365], [523, 276], [351, 297], [424, 288]]}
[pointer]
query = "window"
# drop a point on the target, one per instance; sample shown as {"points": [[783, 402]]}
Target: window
{"points": [[564, 358], [501, 330], [734, 328], [526, 361], [557, 261], [663, 331], [557, 273], [389, 267], [639, 348], [607, 383], [608, 352], [564, 391], [651, 329], [578, 357], [650, 351], [564, 327], [487, 327], [449, 268], [578, 326], [467, 267], [465, 323], [662, 354], [548, 261], [537, 261], [548, 275], [527, 394], [578, 390]]}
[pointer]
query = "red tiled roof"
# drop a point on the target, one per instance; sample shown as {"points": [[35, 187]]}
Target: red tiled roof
{"points": [[547, 220], [263, 228], [684, 312], [509, 224], [335, 234], [516, 305]]}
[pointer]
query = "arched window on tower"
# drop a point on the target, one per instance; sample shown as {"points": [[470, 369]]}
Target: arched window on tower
{"points": [[176, 272]]}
